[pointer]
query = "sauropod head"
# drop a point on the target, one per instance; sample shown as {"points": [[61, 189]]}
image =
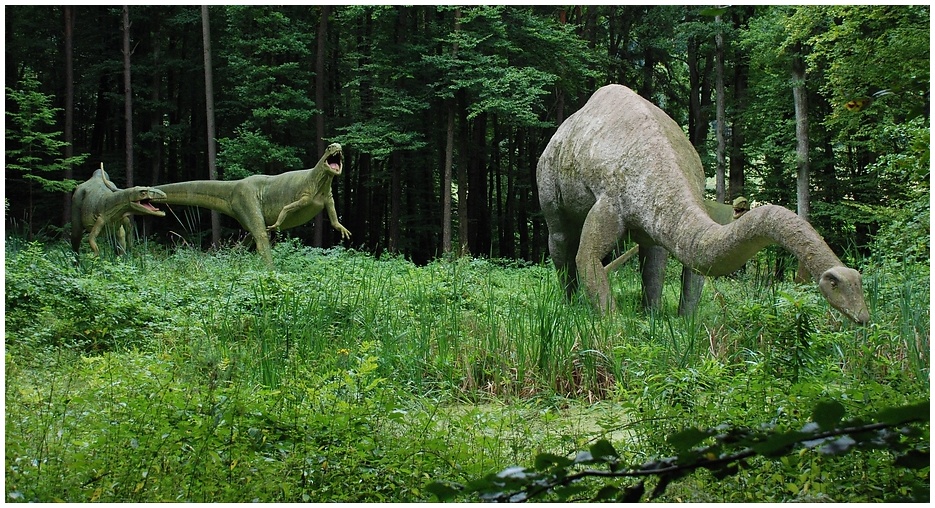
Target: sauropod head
{"points": [[842, 287]]}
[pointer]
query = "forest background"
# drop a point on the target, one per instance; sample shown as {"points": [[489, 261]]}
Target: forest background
{"points": [[388, 371], [423, 95]]}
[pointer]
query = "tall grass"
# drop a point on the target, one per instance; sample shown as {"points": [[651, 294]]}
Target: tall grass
{"points": [[482, 328]]}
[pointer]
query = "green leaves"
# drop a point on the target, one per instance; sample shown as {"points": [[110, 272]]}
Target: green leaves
{"points": [[32, 146], [827, 414], [730, 452]]}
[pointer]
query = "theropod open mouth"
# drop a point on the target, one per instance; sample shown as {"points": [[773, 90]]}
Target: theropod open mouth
{"points": [[149, 208], [335, 162]]}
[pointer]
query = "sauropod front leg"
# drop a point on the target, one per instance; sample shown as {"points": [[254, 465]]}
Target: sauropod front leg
{"points": [[602, 227]]}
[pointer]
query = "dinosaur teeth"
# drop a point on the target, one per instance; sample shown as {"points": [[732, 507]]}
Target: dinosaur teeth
{"points": [[147, 205]]}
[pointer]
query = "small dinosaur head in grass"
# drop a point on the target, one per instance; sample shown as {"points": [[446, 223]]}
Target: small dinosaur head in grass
{"points": [[142, 198], [333, 159], [842, 287]]}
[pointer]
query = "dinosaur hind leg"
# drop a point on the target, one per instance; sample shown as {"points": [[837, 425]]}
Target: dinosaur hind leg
{"points": [[692, 284], [563, 245], [652, 271], [254, 224]]}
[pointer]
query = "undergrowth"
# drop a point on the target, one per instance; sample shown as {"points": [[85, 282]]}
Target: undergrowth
{"points": [[185, 376]]}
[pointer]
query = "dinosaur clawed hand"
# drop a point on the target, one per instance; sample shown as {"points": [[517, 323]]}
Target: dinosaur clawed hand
{"points": [[345, 234]]}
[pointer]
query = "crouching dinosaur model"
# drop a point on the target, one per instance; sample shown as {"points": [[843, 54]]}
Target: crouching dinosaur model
{"points": [[262, 203], [98, 202], [620, 166]]}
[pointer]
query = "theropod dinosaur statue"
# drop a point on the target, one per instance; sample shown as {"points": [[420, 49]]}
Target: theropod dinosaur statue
{"points": [[98, 202], [620, 166], [262, 203]]}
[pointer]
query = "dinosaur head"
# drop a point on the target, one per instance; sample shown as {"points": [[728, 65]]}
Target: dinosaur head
{"points": [[842, 288], [142, 198], [333, 159]]}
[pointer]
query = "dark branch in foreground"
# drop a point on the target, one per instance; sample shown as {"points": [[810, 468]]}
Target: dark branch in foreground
{"points": [[897, 430]]}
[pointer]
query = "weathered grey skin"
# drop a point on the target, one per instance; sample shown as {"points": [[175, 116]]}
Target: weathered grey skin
{"points": [[98, 202], [620, 166], [653, 268], [721, 213], [268, 202]]}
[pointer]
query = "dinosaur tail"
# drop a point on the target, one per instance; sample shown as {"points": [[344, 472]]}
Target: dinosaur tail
{"points": [[212, 194]]}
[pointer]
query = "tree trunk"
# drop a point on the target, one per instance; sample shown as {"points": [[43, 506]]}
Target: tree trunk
{"points": [[478, 209], [463, 220], [156, 115], [446, 179], [449, 154], [396, 162], [209, 109], [318, 239], [800, 98], [69, 13], [737, 158], [128, 111], [127, 96], [721, 120]]}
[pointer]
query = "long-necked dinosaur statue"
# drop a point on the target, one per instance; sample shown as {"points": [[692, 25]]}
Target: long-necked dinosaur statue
{"points": [[262, 203], [97, 202], [620, 166]]}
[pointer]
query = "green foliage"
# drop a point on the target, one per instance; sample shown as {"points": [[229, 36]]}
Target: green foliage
{"points": [[250, 150], [181, 376], [265, 53], [51, 303], [31, 147], [724, 451]]}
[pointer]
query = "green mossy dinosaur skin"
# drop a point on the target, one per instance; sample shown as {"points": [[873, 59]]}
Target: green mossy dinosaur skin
{"points": [[262, 203], [98, 202], [621, 167]]}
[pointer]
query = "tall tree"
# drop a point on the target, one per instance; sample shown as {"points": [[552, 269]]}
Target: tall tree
{"points": [[721, 113], [68, 12], [320, 77], [449, 149], [127, 97], [209, 114], [32, 144]]}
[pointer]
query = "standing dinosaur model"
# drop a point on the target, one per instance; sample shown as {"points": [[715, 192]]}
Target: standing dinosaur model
{"points": [[98, 202], [262, 203], [620, 166]]}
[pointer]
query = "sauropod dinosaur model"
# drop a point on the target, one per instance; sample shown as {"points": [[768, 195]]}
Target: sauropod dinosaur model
{"points": [[97, 202], [268, 202], [620, 166]]}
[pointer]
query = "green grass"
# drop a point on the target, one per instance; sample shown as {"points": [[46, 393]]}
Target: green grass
{"points": [[178, 375]]}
